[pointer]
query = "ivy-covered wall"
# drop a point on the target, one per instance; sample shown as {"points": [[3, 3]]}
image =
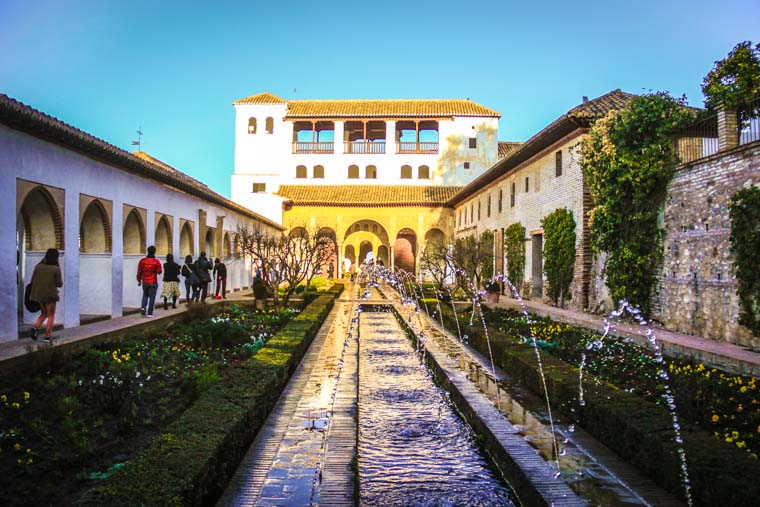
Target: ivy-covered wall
{"points": [[697, 287]]}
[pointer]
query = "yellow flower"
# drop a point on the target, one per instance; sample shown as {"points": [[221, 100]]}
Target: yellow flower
{"points": [[743, 389], [4, 398], [16, 404], [26, 396], [753, 455], [741, 445], [735, 434], [716, 418], [739, 408], [729, 440], [16, 447]]}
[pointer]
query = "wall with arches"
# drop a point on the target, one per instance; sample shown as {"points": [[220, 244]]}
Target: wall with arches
{"points": [[102, 218]]}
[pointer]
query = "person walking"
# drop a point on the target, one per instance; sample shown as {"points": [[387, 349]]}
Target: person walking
{"points": [[191, 281], [170, 288], [46, 280], [148, 270], [220, 275], [201, 267]]}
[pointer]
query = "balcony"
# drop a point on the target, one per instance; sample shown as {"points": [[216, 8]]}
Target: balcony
{"points": [[364, 147], [321, 147], [417, 147]]}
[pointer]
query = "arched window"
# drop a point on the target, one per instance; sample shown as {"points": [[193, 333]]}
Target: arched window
{"points": [[370, 172], [95, 230], [269, 125], [423, 172], [301, 171], [406, 172], [134, 234], [512, 193], [251, 125], [163, 237], [319, 171], [353, 172]]}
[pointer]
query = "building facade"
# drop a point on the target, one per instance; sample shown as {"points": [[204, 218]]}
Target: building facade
{"points": [[101, 207]]}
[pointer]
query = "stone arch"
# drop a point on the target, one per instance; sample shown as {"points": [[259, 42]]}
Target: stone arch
{"points": [[226, 246], [237, 250], [297, 231], [163, 236], [186, 243], [209, 242], [364, 248], [349, 253], [95, 229], [330, 256], [367, 226], [134, 233], [42, 219], [434, 236], [382, 255], [405, 250]]}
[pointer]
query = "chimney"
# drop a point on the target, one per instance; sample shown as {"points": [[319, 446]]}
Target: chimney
{"points": [[585, 99]]}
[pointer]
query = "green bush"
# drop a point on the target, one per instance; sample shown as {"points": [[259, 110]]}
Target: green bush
{"points": [[317, 282]]}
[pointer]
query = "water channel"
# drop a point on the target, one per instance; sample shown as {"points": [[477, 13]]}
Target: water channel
{"points": [[413, 447]]}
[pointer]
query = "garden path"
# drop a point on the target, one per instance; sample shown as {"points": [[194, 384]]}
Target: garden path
{"points": [[726, 356]]}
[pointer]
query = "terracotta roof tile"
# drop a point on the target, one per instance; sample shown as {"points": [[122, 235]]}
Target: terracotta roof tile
{"points": [[600, 106], [376, 196], [261, 98], [507, 147], [374, 108]]}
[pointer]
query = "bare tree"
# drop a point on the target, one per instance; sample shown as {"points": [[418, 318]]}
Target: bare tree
{"points": [[285, 260], [437, 261]]}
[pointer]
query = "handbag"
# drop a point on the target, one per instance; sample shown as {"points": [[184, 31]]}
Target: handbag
{"points": [[31, 306]]}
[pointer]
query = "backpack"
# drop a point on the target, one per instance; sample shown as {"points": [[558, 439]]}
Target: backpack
{"points": [[31, 306]]}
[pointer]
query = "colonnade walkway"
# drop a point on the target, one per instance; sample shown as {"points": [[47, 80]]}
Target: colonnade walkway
{"points": [[726, 356]]}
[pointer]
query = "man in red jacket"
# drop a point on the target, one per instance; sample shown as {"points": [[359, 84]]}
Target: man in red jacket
{"points": [[148, 270]]}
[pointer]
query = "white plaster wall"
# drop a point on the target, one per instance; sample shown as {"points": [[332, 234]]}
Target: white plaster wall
{"points": [[132, 294], [25, 157], [95, 284], [261, 153]]}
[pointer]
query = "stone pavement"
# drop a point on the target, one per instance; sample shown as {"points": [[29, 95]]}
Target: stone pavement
{"points": [[726, 356], [303, 453]]}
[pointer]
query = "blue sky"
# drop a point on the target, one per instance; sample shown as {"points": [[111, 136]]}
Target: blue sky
{"points": [[174, 68]]}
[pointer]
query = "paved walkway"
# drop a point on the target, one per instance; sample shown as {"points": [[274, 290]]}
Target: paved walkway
{"points": [[303, 453], [725, 356]]}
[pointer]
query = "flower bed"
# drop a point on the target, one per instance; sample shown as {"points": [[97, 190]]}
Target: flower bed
{"points": [[63, 430], [627, 417]]}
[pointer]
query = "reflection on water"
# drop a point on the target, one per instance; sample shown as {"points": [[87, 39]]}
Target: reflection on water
{"points": [[413, 448]]}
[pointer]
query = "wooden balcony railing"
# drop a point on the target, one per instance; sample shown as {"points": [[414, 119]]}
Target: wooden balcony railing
{"points": [[412, 147], [364, 147], [299, 147]]}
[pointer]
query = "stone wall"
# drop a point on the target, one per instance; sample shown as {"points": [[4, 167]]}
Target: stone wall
{"points": [[698, 288]]}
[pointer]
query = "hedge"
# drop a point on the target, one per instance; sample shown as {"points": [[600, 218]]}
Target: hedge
{"points": [[191, 462], [638, 430]]}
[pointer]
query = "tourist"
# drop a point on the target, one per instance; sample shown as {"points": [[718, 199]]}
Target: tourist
{"points": [[220, 275], [46, 279], [171, 282], [148, 270], [201, 268], [191, 281]]}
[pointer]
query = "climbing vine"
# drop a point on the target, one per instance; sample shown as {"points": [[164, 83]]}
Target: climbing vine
{"points": [[628, 160], [559, 253], [745, 245], [514, 248]]}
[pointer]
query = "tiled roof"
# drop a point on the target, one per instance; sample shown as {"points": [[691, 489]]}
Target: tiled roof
{"points": [[371, 108], [579, 117], [261, 98], [507, 147], [19, 116], [367, 196]]}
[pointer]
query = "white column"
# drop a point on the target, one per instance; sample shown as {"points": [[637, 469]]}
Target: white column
{"points": [[8, 291], [150, 228], [338, 137], [175, 240], [117, 260], [70, 260], [390, 136]]}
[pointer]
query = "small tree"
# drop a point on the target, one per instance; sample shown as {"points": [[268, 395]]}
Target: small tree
{"points": [[514, 248], [473, 258], [438, 262], [559, 253], [285, 260], [734, 79]]}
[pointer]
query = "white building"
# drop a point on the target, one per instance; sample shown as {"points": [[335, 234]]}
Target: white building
{"points": [[428, 142], [101, 207]]}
